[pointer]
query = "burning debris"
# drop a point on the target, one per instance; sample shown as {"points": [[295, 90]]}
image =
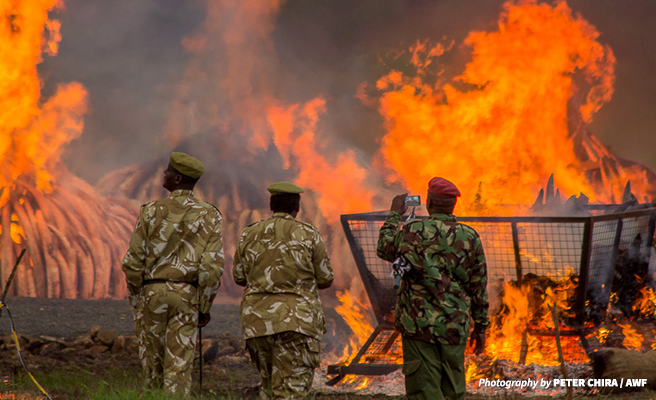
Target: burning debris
{"points": [[536, 266]]}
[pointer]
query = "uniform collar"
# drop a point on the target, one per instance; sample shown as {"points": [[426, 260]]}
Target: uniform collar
{"points": [[181, 193], [443, 217], [282, 215]]}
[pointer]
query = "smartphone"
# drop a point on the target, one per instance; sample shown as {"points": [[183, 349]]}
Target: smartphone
{"points": [[411, 201]]}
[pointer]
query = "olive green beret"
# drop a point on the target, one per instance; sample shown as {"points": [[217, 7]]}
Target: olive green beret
{"points": [[284, 188], [187, 165]]}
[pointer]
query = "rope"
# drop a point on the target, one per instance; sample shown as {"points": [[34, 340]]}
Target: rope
{"points": [[20, 356]]}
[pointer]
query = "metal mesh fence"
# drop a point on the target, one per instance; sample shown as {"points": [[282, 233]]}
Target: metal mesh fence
{"points": [[582, 249], [385, 349]]}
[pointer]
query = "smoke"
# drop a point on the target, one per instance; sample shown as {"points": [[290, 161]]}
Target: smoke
{"points": [[132, 58], [128, 56]]}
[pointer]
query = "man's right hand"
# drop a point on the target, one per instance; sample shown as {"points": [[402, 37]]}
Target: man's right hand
{"points": [[478, 341], [398, 204], [203, 319]]}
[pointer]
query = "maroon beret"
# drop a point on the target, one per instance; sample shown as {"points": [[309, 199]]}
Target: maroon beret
{"points": [[442, 187]]}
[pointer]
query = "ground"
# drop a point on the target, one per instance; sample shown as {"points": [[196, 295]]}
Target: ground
{"points": [[85, 349]]}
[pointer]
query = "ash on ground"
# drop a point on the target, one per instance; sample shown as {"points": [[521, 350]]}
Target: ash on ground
{"points": [[484, 367], [494, 370], [392, 384]]}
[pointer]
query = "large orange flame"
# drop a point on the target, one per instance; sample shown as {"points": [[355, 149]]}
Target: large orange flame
{"points": [[340, 185], [506, 132], [355, 314], [31, 133]]}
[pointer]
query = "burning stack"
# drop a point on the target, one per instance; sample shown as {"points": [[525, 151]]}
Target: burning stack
{"points": [[74, 237], [75, 240]]}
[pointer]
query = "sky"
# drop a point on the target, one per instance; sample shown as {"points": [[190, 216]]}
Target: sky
{"points": [[130, 57]]}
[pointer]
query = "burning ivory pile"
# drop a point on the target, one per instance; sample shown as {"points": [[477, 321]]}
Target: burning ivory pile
{"points": [[75, 240], [592, 267]]}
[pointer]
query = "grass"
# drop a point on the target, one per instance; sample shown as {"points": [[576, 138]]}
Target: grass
{"points": [[74, 382], [77, 383]]}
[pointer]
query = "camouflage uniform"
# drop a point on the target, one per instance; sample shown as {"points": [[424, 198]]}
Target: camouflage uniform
{"points": [[281, 261], [444, 286], [176, 243]]}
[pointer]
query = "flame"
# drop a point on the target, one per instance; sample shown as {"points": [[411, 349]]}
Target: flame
{"points": [[632, 338], [472, 373], [15, 230], [508, 129], [32, 134], [505, 337], [602, 334], [560, 296], [294, 134], [645, 303], [355, 314], [509, 331]]}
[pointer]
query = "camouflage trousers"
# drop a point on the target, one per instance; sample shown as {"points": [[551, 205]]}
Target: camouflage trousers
{"points": [[433, 371], [286, 362], [166, 322]]}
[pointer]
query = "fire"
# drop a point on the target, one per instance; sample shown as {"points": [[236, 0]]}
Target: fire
{"points": [[16, 231], [602, 334], [294, 134], [72, 235], [645, 303], [525, 309], [508, 129], [355, 314], [32, 133], [633, 339], [472, 372], [505, 337]]}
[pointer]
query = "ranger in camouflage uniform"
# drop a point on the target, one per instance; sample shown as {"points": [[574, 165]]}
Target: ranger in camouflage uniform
{"points": [[446, 283], [173, 269], [282, 263]]}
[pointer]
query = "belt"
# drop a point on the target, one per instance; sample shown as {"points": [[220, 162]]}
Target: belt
{"points": [[151, 281]]}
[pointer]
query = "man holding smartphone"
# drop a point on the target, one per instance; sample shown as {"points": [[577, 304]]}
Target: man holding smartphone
{"points": [[442, 291]]}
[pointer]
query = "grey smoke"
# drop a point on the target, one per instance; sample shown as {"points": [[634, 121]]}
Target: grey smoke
{"points": [[128, 55]]}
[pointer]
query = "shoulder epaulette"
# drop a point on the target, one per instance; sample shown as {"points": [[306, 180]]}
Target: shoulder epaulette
{"points": [[253, 224], [307, 224], [209, 205]]}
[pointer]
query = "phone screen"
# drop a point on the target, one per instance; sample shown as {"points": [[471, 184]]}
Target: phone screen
{"points": [[412, 201]]}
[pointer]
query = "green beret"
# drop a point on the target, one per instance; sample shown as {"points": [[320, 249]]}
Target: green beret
{"points": [[187, 165], [284, 188]]}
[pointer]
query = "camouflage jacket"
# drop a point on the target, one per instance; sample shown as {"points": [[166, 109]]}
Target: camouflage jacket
{"points": [[281, 261], [447, 279], [179, 239]]}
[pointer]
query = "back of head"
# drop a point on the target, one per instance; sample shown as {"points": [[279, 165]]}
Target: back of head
{"points": [[442, 196], [188, 166], [287, 203], [285, 197], [186, 170]]}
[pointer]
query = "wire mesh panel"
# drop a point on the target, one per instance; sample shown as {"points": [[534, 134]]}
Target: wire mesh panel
{"points": [[605, 242], [550, 249], [497, 240], [580, 250], [385, 348]]}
